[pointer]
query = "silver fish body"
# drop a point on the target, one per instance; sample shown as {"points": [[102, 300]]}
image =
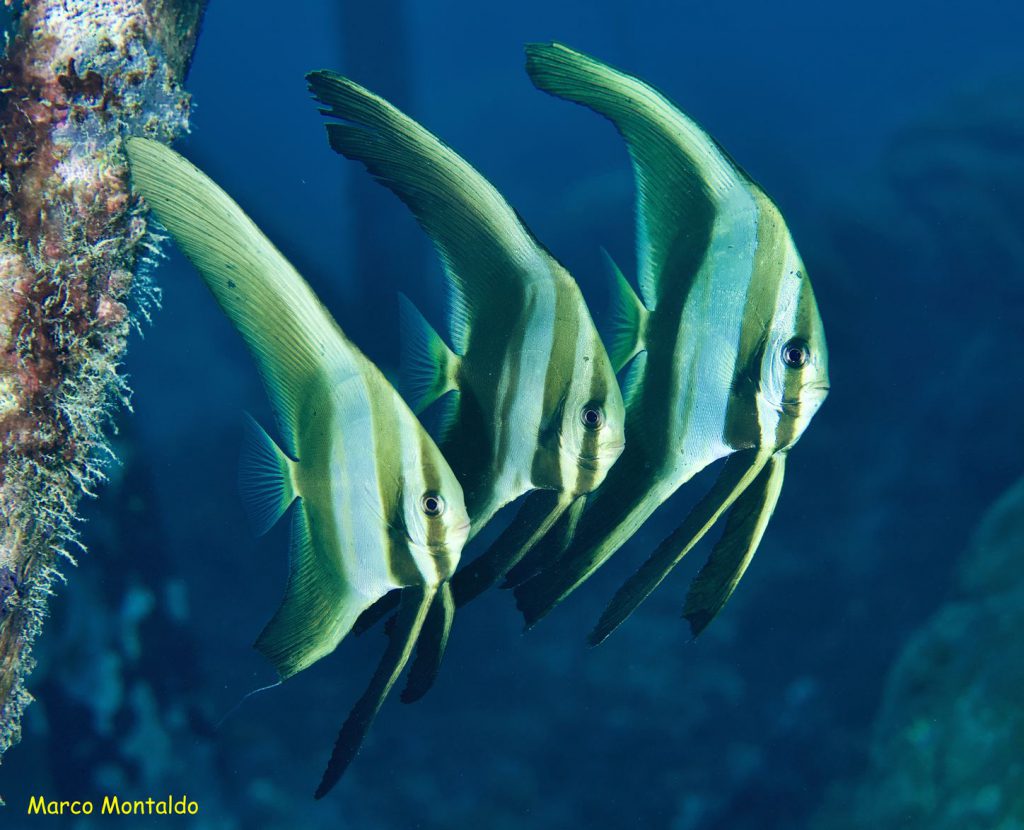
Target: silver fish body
{"points": [[725, 346], [533, 401], [376, 506]]}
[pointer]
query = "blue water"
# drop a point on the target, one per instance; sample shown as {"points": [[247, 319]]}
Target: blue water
{"points": [[880, 130]]}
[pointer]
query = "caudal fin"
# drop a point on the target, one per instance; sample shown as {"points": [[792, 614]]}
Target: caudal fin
{"points": [[264, 478]]}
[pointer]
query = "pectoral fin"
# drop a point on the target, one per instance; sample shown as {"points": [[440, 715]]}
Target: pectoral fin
{"points": [[411, 614], [540, 511], [739, 471], [432, 645], [746, 523]]}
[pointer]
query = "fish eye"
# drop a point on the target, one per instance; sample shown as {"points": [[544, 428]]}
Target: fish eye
{"points": [[592, 417], [432, 504], [796, 353]]}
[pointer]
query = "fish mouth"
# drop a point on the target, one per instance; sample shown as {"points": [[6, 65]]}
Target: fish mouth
{"points": [[793, 406], [459, 536], [595, 462]]}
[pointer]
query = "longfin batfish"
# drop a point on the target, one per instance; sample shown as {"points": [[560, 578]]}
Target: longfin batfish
{"points": [[534, 404], [725, 346], [377, 507]]}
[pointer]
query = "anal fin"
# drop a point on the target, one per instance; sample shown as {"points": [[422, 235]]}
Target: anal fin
{"points": [[318, 609]]}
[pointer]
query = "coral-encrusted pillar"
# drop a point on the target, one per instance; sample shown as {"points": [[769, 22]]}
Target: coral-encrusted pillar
{"points": [[78, 77]]}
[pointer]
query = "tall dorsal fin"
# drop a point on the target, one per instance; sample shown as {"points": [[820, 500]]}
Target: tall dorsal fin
{"points": [[680, 170], [291, 335], [488, 254]]}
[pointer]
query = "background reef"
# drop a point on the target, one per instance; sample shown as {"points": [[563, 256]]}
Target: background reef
{"points": [[864, 673]]}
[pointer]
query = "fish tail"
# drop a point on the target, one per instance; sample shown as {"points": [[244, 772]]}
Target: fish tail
{"points": [[264, 478], [429, 368], [416, 602], [629, 319], [318, 609], [432, 644]]}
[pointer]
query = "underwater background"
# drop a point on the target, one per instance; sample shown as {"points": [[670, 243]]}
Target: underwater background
{"points": [[866, 673]]}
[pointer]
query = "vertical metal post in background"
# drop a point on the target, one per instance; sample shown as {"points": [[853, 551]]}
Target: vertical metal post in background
{"points": [[376, 54]]}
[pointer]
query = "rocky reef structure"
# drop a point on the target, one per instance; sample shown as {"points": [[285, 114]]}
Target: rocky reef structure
{"points": [[946, 745], [77, 77]]}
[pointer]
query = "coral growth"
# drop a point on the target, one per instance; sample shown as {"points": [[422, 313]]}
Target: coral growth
{"points": [[77, 78]]}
